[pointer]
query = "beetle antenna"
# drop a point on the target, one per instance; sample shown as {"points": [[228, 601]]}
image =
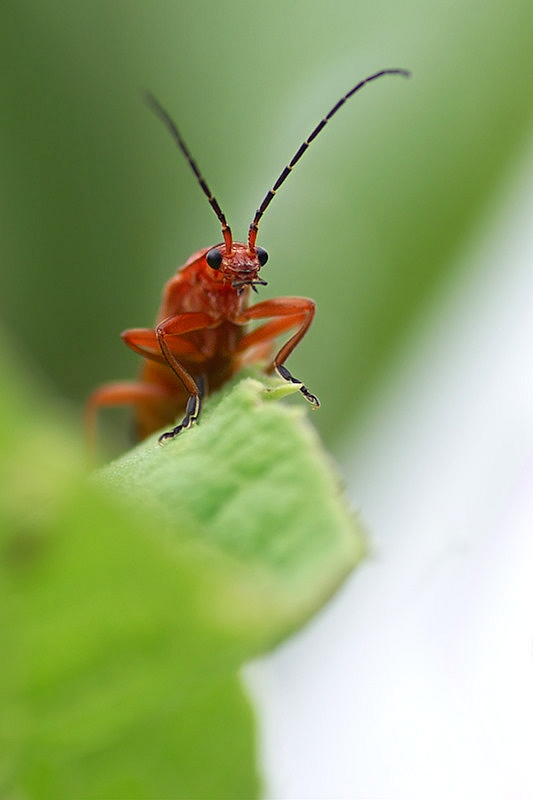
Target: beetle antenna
{"points": [[252, 234], [165, 117]]}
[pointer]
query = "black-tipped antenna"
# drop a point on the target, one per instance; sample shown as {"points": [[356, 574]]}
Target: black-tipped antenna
{"points": [[252, 234], [163, 115]]}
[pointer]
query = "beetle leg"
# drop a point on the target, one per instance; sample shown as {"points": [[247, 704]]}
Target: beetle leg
{"points": [[192, 412], [288, 312], [120, 393], [145, 342], [165, 332]]}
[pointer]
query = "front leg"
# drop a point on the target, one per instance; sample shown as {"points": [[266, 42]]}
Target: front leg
{"points": [[288, 312], [166, 345], [171, 329], [192, 412]]}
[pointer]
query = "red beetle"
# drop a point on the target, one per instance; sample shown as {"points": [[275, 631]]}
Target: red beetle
{"points": [[201, 337]]}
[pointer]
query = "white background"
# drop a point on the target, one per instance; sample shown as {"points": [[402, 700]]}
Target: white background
{"points": [[417, 680]]}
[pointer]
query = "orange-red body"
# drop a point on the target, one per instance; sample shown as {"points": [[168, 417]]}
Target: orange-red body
{"points": [[202, 337], [210, 352]]}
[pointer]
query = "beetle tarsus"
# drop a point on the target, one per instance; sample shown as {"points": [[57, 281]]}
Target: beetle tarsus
{"points": [[192, 412], [312, 398], [284, 373]]}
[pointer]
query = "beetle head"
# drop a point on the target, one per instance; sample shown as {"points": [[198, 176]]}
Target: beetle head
{"points": [[239, 265]]}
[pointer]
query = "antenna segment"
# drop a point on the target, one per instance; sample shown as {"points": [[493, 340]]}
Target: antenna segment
{"points": [[163, 115], [252, 234]]}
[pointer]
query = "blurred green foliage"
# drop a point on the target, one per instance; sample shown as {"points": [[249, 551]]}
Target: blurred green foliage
{"points": [[97, 207], [124, 622]]}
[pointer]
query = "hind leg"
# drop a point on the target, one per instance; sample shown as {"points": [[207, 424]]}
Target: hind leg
{"points": [[143, 396]]}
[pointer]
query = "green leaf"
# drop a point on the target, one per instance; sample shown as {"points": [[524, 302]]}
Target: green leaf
{"points": [[254, 484], [130, 602]]}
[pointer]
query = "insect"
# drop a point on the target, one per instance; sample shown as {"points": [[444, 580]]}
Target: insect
{"points": [[202, 336]]}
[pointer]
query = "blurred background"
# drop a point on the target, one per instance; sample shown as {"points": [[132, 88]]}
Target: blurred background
{"points": [[408, 222]]}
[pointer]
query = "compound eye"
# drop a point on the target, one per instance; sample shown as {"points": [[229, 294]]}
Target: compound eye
{"points": [[262, 256], [214, 258]]}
